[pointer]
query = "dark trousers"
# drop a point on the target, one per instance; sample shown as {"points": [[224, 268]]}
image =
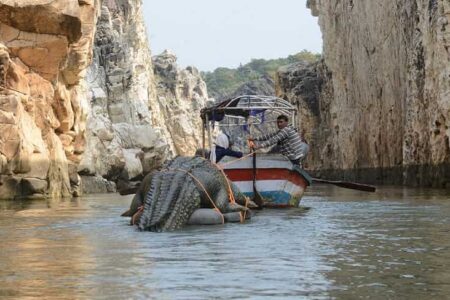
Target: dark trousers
{"points": [[297, 163], [221, 152]]}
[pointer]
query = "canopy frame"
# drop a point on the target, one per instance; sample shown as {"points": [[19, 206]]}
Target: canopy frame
{"points": [[245, 110]]}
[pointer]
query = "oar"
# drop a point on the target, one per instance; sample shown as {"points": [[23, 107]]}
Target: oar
{"points": [[257, 198], [348, 185]]}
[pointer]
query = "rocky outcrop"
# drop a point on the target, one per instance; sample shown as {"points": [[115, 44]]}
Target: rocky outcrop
{"points": [[305, 85], [181, 94], [264, 86], [123, 140], [45, 48], [381, 103], [136, 119], [69, 126]]}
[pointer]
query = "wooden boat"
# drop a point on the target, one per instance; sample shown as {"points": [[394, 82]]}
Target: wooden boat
{"points": [[277, 180]]}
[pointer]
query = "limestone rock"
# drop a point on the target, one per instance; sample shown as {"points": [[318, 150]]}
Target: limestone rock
{"points": [[181, 96], [384, 110], [133, 166], [137, 120], [78, 96], [97, 185], [3, 164], [121, 93], [31, 186], [42, 42], [264, 85], [9, 186], [56, 17]]}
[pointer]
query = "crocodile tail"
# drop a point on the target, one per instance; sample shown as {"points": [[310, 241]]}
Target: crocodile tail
{"points": [[165, 203], [188, 201], [163, 184], [171, 196], [183, 197], [146, 214]]}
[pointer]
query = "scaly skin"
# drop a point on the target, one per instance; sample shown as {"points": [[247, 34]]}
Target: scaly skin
{"points": [[173, 195]]}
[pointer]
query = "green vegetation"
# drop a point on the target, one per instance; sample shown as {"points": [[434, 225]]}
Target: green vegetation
{"points": [[223, 81]]}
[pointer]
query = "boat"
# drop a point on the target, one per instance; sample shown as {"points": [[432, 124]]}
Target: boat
{"points": [[275, 178], [279, 182]]}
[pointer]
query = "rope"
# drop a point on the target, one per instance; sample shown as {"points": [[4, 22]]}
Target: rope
{"points": [[231, 197], [236, 160], [247, 199], [204, 189], [230, 191], [133, 219]]}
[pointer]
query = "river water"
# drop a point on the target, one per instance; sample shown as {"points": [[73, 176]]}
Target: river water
{"points": [[340, 244]]}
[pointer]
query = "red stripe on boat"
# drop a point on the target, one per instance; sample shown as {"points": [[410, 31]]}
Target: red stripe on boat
{"points": [[266, 174]]}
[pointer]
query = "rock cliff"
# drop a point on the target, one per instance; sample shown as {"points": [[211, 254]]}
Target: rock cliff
{"points": [[79, 109], [122, 140], [141, 111], [45, 48], [181, 94], [378, 108], [264, 85]]}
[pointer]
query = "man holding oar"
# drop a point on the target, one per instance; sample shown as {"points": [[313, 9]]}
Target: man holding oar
{"points": [[288, 140]]}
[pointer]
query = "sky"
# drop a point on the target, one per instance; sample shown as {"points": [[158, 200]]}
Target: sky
{"points": [[212, 33]]}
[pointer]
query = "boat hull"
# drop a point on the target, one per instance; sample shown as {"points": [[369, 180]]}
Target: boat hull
{"points": [[277, 180]]}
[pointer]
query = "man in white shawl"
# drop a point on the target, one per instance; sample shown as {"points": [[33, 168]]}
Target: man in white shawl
{"points": [[222, 148]]}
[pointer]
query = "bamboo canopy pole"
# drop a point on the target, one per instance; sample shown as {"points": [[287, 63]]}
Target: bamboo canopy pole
{"points": [[209, 132], [203, 139]]}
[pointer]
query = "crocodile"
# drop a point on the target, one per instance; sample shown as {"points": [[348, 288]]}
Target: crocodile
{"points": [[167, 198]]}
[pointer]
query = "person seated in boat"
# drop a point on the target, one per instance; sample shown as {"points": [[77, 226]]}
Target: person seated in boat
{"points": [[288, 140], [222, 147]]}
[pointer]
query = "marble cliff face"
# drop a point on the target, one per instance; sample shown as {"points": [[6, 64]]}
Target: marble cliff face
{"points": [[121, 141], [378, 106], [79, 103], [181, 94], [142, 111], [45, 48]]}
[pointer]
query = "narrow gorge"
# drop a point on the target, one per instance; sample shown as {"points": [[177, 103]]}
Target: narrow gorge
{"points": [[85, 108]]}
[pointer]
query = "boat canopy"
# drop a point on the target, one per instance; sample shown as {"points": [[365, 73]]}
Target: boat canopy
{"points": [[243, 115], [247, 106]]}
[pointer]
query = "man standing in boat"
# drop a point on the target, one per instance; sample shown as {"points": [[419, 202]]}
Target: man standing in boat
{"points": [[288, 140]]}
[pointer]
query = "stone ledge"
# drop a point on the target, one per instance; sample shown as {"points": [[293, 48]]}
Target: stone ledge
{"points": [[51, 17]]}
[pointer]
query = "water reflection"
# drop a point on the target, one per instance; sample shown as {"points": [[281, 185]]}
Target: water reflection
{"points": [[339, 244]]}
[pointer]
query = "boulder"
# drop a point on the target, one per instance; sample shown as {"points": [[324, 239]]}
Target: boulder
{"points": [[30, 186], [97, 185]]}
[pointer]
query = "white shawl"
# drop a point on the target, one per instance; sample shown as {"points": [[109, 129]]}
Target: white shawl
{"points": [[221, 141]]}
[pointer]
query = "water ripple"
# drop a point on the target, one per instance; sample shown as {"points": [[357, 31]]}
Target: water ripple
{"points": [[339, 244]]}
